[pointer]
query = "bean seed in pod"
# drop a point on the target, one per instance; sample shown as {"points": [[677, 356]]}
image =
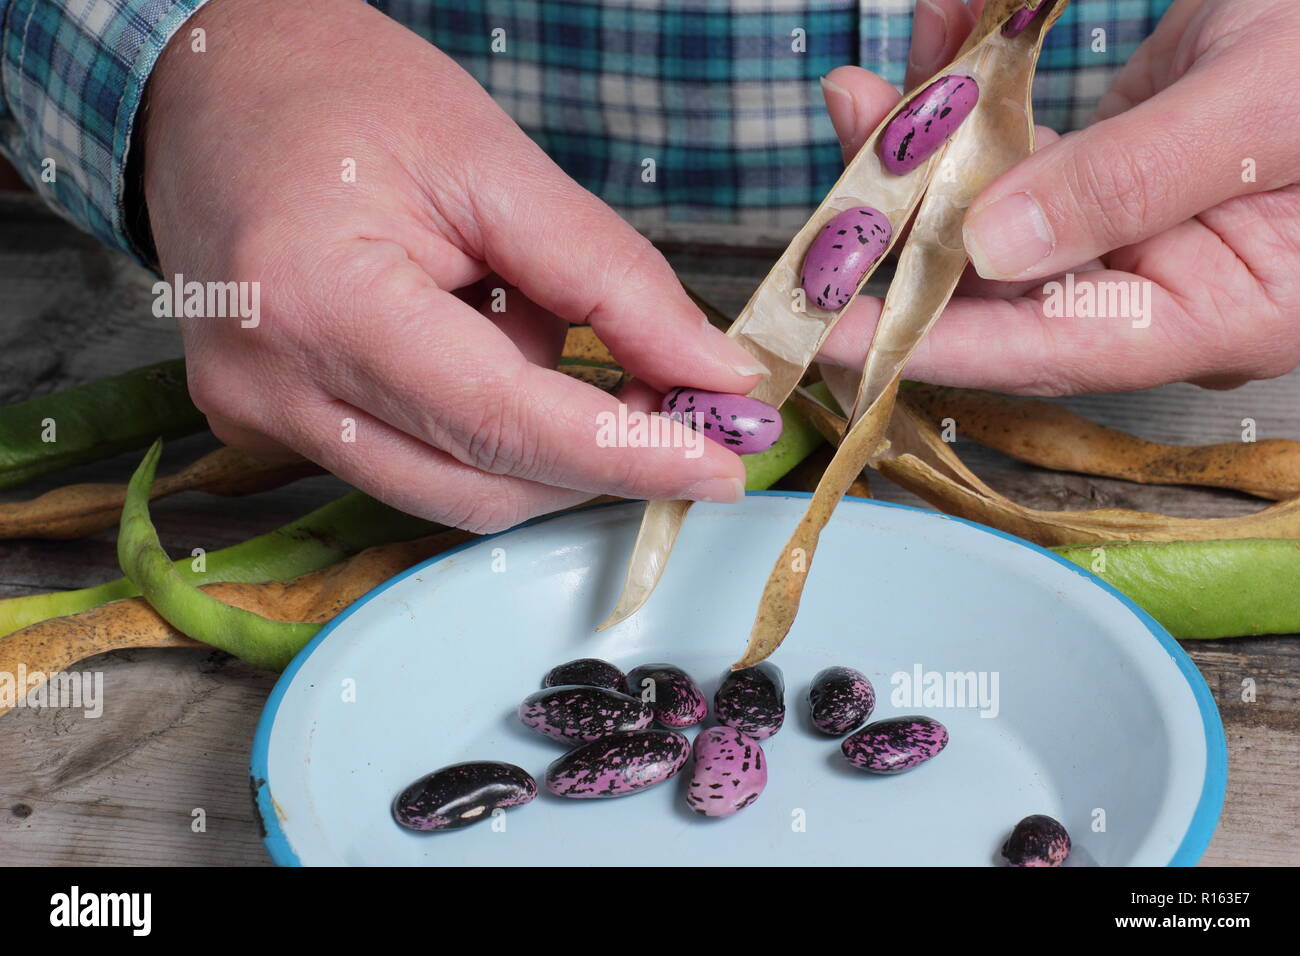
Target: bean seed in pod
{"points": [[743, 424], [930, 118], [895, 744], [669, 691], [617, 765], [1037, 840], [590, 671], [1017, 22], [577, 713], [729, 774], [840, 699], [461, 794], [752, 700], [842, 253]]}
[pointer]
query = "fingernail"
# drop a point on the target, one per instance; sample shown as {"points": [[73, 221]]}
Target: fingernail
{"points": [[839, 104], [929, 38], [728, 490], [1008, 238], [736, 356]]}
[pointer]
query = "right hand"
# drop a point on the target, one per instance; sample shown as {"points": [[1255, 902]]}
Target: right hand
{"points": [[375, 294]]}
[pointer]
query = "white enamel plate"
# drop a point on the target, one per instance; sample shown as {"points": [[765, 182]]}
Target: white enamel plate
{"points": [[1083, 708]]}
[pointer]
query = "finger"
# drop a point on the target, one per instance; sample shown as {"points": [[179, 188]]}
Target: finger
{"points": [[1021, 346], [857, 100], [258, 444], [409, 475], [424, 362], [537, 333], [939, 27], [1151, 67], [572, 255], [1128, 178], [640, 396]]}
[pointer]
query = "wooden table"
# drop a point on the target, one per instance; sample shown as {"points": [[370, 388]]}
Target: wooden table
{"points": [[177, 725]]}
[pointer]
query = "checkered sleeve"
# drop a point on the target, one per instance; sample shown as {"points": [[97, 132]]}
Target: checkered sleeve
{"points": [[72, 75]]}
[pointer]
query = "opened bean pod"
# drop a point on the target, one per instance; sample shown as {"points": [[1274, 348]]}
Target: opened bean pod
{"points": [[995, 134], [793, 310]]}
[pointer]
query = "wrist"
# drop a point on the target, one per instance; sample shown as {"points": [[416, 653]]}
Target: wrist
{"points": [[214, 79]]}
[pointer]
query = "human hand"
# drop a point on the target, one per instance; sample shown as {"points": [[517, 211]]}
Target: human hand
{"points": [[376, 294], [1156, 191]]}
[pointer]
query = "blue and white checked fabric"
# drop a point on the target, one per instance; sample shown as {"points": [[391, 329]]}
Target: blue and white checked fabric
{"points": [[722, 94]]}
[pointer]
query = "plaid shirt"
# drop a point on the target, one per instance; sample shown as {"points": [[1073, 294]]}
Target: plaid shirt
{"points": [[715, 91]]}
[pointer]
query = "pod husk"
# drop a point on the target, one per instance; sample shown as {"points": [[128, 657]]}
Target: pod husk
{"points": [[916, 458], [75, 511], [54, 645], [786, 339], [997, 134], [1041, 433]]}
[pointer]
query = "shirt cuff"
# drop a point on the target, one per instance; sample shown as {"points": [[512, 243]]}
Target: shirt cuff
{"points": [[72, 76]]}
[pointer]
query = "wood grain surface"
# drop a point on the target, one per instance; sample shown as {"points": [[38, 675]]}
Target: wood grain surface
{"points": [[177, 725]]}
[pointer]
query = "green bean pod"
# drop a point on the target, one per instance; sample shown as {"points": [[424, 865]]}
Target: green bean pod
{"points": [[323, 537], [1204, 589], [798, 440], [250, 637], [95, 421]]}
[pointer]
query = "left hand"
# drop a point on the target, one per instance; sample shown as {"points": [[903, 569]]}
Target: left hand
{"points": [[1156, 190]]}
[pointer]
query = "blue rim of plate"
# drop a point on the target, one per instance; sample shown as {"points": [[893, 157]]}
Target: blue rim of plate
{"points": [[1195, 841]]}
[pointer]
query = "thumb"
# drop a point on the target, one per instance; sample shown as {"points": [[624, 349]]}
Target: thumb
{"points": [[1126, 178]]}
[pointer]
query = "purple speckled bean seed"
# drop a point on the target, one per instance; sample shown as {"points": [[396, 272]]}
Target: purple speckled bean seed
{"points": [[752, 700], [618, 765], [462, 794], [840, 699], [730, 772], [895, 744], [578, 713], [590, 671], [669, 691], [841, 255], [1017, 22], [743, 424], [929, 118], [1037, 840]]}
